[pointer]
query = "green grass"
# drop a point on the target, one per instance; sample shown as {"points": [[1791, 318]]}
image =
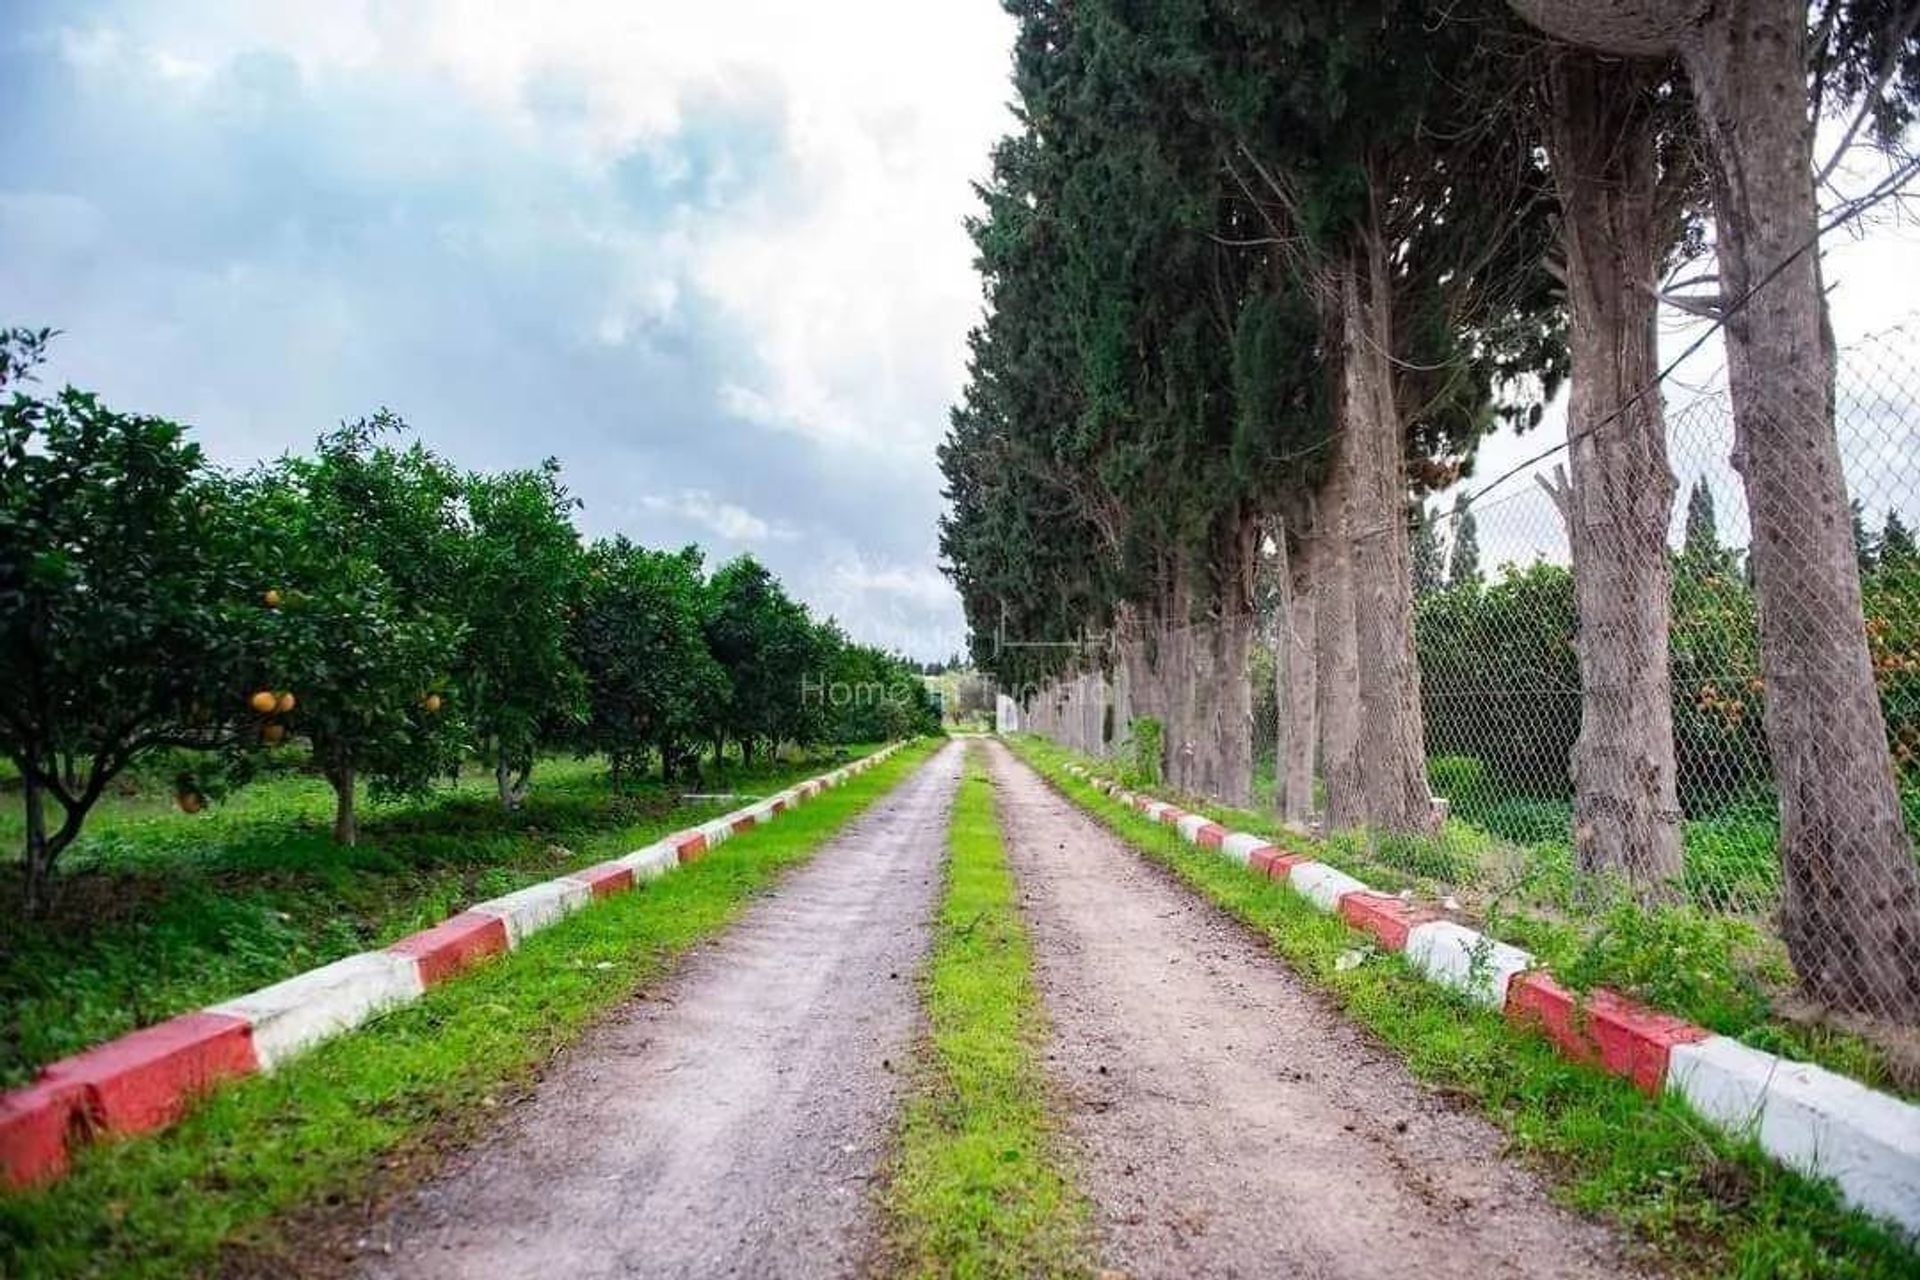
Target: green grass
{"points": [[1702, 1203], [976, 1187], [1723, 971], [160, 912], [336, 1124]]}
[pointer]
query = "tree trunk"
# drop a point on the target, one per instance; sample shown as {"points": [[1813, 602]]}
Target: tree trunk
{"points": [[1852, 887], [513, 790], [1229, 729], [1338, 659], [1392, 741], [1620, 503], [38, 865], [346, 826], [1293, 767]]}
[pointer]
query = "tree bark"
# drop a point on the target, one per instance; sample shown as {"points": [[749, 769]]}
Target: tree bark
{"points": [[1293, 767], [1229, 729], [346, 824], [1852, 887], [38, 866], [512, 783], [1620, 503], [1851, 910], [1392, 743], [1338, 665]]}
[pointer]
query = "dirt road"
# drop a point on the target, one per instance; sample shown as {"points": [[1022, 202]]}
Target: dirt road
{"points": [[1225, 1121], [730, 1125]]}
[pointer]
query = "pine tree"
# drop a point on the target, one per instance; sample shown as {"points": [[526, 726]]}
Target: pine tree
{"points": [[1429, 573], [1702, 546], [1463, 565], [1863, 551], [1896, 541]]}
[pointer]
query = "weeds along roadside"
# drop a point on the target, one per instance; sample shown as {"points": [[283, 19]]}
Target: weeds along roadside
{"points": [[364, 1115], [976, 1185], [1702, 1203]]}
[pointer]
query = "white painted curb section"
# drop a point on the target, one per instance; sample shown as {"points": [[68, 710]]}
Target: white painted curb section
{"points": [[535, 907], [1322, 885], [1810, 1118], [1240, 846], [651, 862], [1458, 957], [323, 1002], [1189, 827]]}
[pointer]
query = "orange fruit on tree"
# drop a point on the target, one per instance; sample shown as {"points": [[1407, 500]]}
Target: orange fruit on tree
{"points": [[432, 703], [264, 702], [285, 704], [189, 801], [272, 598], [273, 734]]}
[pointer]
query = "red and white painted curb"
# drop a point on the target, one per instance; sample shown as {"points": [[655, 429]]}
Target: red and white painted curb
{"points": [[146, 1079], [1805, 1116]]}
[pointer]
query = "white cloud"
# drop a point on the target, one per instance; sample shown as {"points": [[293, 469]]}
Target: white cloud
{"points": [[722, 519]]}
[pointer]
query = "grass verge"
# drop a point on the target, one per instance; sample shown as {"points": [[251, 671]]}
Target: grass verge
{"points": [[160, 912], [367, 1113], [1702, 1203], [975, 1187], [1736, 978]]}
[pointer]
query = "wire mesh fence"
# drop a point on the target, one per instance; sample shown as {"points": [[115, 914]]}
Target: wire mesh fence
{"points": [[1500, 687]]}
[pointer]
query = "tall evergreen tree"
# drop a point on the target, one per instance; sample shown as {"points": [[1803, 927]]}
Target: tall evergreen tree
{"points": [[1463, 562], [1896, 541], [1702, 545], [1863, 549], [1429, 568]]}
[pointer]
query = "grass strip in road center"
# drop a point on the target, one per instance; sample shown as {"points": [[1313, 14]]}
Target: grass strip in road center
{"points": [[262, 1173], [977, 1188], [1702, 1203]]}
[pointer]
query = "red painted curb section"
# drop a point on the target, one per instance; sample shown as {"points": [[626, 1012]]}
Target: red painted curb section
{"points": [[1273, 864], [742, 825], [607, 878], [688, 845], [454, 946], [1171, 816], [145, 1079], [1210, 835], [1607, 1030], [1387, 918], [33, 1132]]}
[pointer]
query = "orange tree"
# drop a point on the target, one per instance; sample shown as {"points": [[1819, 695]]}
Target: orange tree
{"points": [[653, 687], [521, 581], [125, 622], [364, 541]]}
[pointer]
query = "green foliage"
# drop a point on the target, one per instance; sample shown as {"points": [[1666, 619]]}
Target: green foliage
{"points": [[768, 648], [521, 579], [1500, 678], [366, 632], [126, 622], [368, 598], [1145, 750], [652, 685]]}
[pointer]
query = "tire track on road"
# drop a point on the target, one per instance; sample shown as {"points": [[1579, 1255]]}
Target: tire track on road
{"points": [[730, 1123], [1227, 1121]]}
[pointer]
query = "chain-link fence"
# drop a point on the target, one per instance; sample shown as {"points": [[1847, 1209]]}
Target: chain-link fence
{"points": [[1500, 684]]}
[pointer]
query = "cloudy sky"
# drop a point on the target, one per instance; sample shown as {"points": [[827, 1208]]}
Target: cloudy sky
{"points": [[709, 254]]}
